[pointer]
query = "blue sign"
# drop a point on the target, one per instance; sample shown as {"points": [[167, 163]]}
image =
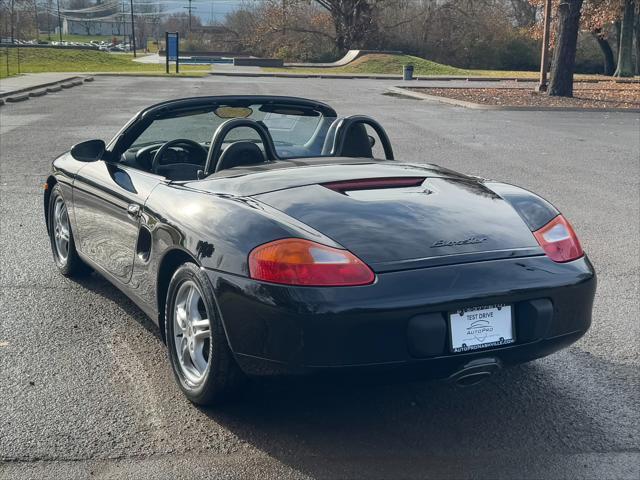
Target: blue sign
{"points": [[172, 46]]}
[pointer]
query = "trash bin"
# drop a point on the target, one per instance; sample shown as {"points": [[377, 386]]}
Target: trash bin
{"points": [[407, 72]]}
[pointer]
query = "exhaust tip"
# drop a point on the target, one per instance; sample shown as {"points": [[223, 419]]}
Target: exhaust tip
{"points": [[475, 372]]}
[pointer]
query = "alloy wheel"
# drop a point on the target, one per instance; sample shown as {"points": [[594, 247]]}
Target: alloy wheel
{"points": [[191, 332], [61, 230]]}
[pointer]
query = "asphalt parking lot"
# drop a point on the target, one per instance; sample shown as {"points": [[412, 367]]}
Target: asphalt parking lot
{"points": [[86, 390]]}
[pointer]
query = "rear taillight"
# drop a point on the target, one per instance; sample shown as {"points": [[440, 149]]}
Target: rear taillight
{"points": [[559, 241], [294, 261]]}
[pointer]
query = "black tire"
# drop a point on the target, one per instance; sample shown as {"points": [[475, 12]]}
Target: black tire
{"points": [[222, 377], [70, 265]]}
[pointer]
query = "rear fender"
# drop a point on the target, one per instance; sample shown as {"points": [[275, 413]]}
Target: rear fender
{"points": [[534, 210]]}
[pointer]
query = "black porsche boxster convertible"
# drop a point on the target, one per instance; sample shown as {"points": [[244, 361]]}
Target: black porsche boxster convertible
{"points": [[264, 238]]}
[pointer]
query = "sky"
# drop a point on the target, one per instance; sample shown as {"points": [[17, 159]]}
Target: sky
{"points": [[207, 10]]}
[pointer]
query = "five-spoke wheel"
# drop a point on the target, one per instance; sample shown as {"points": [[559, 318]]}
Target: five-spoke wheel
{"points": [[61, 229], [198, 350], [191, 332], [61, 235]]}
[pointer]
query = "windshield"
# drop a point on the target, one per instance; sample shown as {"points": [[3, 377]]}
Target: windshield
{"points": [[295, 132]]}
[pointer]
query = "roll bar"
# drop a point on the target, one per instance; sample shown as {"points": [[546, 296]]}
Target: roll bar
{"points": [[345, 124], [223, 130]]}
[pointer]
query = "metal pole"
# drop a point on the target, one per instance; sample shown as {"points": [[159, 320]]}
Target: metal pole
{"points": [[544, 61], [59, 22], [166, 50], [133, 31], [189, 18]]}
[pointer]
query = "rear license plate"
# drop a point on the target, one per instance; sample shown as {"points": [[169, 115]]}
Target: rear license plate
{"points": [[481, 327]]}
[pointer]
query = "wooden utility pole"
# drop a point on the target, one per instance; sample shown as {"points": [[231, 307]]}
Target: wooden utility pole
{"points": [[189, 8], [544, 60], [124, 25], [35, 16], [133, 31], [49, 19], [59, 22], [12, 19], [284, 17]]}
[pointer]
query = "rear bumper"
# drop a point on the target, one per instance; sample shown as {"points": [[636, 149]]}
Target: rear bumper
{"points": [[399, 323]]}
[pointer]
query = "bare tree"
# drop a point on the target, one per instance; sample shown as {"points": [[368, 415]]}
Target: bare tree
{"points": [[524, 12], [355, 22]]}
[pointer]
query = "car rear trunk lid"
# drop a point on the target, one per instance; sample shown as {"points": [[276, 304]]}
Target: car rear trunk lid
{"points": [[396, 224]]}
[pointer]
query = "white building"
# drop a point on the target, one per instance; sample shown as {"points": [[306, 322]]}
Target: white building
{"points": [[121, 25]]}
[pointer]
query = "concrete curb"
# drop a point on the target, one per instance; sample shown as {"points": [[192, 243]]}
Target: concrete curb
{"points": [[477, 106], [434, 78], [304, 75], [17, 98], [42, 89], [37, 87], [148, 75]]}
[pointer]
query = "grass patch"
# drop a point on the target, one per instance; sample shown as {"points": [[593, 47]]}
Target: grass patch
{"points": [[37, 60], [382, 64]]}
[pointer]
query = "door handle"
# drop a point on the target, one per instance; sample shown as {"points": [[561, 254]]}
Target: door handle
{"points": [[133, 210]]}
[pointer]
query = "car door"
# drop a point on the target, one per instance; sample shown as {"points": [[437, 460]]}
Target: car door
{"points": [[108, 201]]}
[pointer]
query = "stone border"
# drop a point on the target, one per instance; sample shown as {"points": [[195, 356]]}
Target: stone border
{"points": [[17, 98], [478, 106], [38, 87], [42, 89]]}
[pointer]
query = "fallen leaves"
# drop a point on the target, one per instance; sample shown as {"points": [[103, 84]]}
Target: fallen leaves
{"points": [[586, 95]]}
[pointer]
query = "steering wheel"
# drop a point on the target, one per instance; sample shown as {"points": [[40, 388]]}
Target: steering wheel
{"points": [[156, 166]]}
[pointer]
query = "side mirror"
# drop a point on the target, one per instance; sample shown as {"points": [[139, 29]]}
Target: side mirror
{"points": [[88, 151], [372, 141]]}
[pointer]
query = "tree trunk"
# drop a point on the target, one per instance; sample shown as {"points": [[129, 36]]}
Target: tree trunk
{"points": [[564, 53], [625, 52], [609, 62], [637, 43]]}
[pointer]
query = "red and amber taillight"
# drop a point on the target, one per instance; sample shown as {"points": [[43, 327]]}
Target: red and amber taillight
{"points": [[295, 261], [559, 241]]}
